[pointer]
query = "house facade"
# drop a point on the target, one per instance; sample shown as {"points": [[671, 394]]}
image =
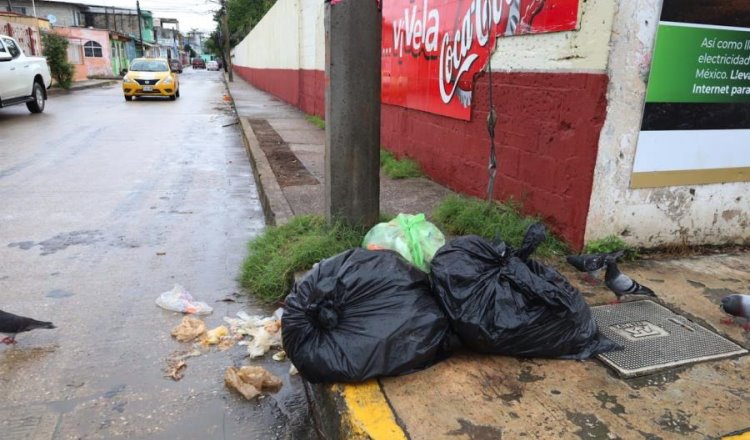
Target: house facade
{"points": [[89, 50]]}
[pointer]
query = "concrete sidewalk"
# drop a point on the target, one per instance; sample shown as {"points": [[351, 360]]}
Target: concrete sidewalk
{"points": [[482, 397]]}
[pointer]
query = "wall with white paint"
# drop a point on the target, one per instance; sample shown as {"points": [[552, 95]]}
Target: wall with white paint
{"points": [[275, 42], [583, 50], [697, 214], [312, 32]]}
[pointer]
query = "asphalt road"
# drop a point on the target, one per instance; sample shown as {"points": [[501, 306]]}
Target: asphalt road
{"points": [[104, 204]]}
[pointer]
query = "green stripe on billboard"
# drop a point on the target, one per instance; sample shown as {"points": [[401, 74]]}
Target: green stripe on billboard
{"points": [[700, 64]]}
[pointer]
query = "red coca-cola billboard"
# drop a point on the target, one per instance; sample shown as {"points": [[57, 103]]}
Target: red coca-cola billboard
{"points": [[433, 48]]}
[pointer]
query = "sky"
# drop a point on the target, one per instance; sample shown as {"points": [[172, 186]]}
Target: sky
{"points": [[191, 13]]}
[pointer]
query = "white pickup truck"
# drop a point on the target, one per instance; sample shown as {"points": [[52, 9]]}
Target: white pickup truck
{"points": [[22, 79]]}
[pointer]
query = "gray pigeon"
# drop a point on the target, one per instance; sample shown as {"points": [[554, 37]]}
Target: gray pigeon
{"points": [[737, 305], [621, 284], [11, 324], [592, 263]]}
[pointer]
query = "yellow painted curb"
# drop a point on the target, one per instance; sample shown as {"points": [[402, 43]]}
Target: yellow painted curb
{"points": [[368, 413], [743, 436]]}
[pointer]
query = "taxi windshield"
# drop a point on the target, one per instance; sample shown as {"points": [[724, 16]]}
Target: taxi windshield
{"points": [[149, 66]]}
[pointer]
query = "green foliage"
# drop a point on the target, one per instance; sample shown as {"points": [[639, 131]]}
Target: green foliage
{"points": [[398, 169], [279, 252], [56, 52], [459, 215], [318, 122], [609, 244], [242, 16]]}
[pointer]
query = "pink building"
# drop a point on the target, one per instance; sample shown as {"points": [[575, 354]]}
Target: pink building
{"points": [[89, 51]]}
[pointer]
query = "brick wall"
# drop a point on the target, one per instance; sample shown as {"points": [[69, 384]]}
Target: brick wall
{"points": [[547, 137]]}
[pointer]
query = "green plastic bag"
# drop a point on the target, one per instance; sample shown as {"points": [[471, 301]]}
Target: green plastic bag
{"points": [[412, 236]]}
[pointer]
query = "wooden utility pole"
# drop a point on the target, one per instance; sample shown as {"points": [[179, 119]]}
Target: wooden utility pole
{"points": [[352, 110], [225, 40]]}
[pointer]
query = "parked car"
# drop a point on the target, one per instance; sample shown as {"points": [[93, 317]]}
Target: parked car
{"points": [[198, 63], [175, 65], [22, 79], [212, 65], [150, 77]]}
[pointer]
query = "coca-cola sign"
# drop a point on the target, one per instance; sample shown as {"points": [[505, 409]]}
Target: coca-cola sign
{"points": [[432, 49]]}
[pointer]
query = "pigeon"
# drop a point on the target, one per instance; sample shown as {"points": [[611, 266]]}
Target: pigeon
{"points": [[737, 305], [11, 324], [621, 284], [535, 235], [592, 263]]}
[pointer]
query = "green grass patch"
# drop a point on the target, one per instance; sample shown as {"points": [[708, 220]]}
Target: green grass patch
{"points": [[609, 244], [399, 169], [458, 215], [279, 252], [317, 121]]}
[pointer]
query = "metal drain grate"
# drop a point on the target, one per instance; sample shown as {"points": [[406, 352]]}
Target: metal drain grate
{"points": [[655, 338]]}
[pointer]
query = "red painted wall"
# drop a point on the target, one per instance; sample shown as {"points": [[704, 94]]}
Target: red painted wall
{"points": [[547, 137], [302, 88]]}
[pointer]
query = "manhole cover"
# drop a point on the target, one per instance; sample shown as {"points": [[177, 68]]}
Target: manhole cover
{"points": [[655, 338]]}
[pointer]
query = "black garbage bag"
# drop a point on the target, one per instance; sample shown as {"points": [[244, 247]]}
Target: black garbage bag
{"points": [[362, 314], [499, 303]]}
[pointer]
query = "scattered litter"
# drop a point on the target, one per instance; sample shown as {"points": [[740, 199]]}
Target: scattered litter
{"points": [[227, 300], [189, 329], [226, 343], [251, 381], [176, 364], [363, 314], [412, 236], [176, 369], [264, 331], [293, 371], [161, 254], [214, 336], [279, 356], [179, 300]]}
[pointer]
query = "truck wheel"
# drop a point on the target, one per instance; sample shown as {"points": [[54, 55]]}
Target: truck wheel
{"points": [[37, 105]]}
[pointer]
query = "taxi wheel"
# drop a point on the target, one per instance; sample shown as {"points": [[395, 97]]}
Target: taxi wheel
{"points": [[172, 97], [177, 93], [128, 98]]}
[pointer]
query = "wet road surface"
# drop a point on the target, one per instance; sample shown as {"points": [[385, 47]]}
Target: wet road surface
{"points": [[104, 205]]}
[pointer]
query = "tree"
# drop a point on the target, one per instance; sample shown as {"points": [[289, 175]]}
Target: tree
{"points": [[242, 16], [56, 51]]}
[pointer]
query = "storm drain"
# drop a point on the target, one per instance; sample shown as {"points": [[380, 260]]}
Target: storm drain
{"points": [[655, 338]]}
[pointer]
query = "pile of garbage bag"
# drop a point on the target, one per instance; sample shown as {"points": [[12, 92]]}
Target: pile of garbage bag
{"points": [[500, 304], [362, 314], [376, 312]]}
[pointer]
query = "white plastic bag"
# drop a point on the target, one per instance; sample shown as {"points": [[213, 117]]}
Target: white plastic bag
{"points": [[180, 300]]}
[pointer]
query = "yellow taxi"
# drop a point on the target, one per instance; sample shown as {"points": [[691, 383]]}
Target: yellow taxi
{"points": [[150, 77]]}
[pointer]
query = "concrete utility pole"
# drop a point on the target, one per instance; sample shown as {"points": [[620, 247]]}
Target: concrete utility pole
{"points": [[225, 40], [352, 159], [10, 6], [140, 30]]}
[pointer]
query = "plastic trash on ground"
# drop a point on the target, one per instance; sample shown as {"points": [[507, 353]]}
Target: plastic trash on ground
{"points": [[215, 335], [264, 331], [412, 236], [362, 314], [251, 381], [500, 304], [190, 328], [179, 300]]}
